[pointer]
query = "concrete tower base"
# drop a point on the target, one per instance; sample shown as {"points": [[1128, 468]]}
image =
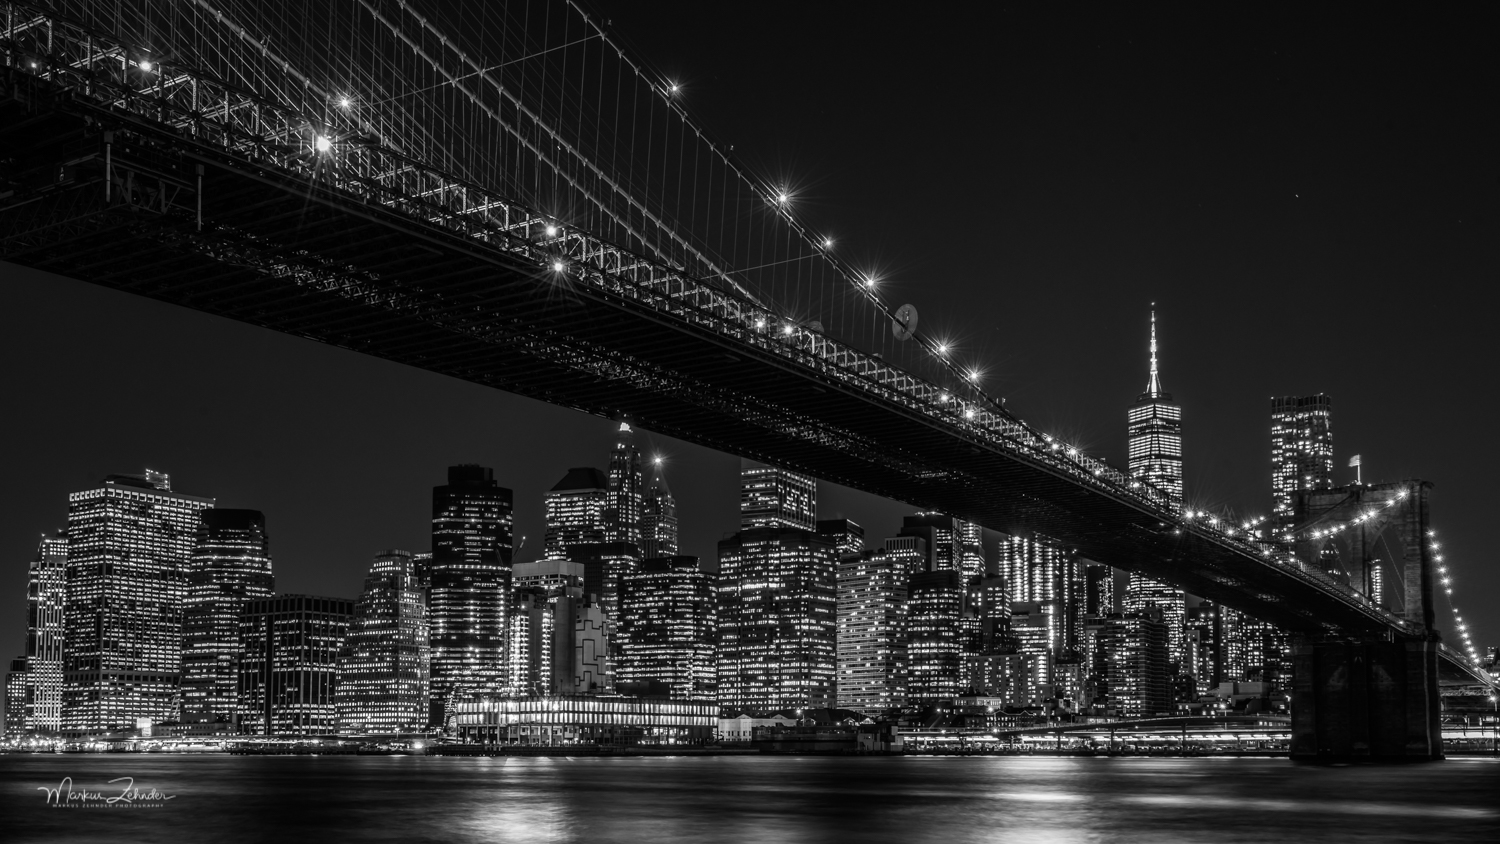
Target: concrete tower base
{"points": [[1366, 701]]}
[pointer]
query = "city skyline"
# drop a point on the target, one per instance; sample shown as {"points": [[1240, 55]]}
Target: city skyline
{"points": [[1289, 227]]}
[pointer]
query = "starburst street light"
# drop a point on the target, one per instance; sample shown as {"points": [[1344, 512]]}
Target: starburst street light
{"points": [[344, 102], [558, 266], [552, 231], [322, 143]]}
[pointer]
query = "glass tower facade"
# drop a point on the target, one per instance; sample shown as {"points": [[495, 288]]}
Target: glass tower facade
{"points": [[130, 541], [1155, 440], [658, 517], [288, 666], [934, 636], [872, 656], [46, 594], [231, 566], [777, 608], [1301, 452], [1155, 443], [774, 497], [575, 511], [623, 512], [667, 621], [468, 583], [383, 668]]}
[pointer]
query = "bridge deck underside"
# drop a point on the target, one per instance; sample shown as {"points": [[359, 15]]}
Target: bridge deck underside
{"points": [[279, 253]]}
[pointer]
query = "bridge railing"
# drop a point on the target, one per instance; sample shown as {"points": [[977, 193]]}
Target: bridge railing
{"points": [[194, 107]]}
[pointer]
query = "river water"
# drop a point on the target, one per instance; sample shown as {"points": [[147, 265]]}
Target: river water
{"points": [[334, 799]]}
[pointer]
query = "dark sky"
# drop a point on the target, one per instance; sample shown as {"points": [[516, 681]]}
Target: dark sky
{"points": [[1310, 201]]}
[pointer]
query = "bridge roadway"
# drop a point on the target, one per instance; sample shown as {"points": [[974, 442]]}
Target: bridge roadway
{"points": [[134, 191]]}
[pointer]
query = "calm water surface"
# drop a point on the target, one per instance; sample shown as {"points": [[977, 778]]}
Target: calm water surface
{"points": [[733, 799]]}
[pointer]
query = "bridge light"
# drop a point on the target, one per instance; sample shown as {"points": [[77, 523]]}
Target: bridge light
{"points": [[673, 88], [786, 329], [827, 243], [968, 413], [760, 323], [974, 375], [552, 231], [943, 397], [558, 266], [344, 102], [322, 143], [145, 65], [783, 198], [942, 348]]}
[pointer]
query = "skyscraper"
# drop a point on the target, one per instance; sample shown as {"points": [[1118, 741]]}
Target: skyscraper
{"points": [[288, 667], [971, 560], [1301, 452], [575, 509], [1155, 440], [383, 667], [658, 517], [231, 566], [667, 623], [1155, 444], [941, 533], [777, 603], [129, 543], [468, 585], [46, 594], [934, 640], [847, 536], [15, 697], [1135, 655], [581, 513], [622, 515], [1039, 570], [1144, 593], [774, 497], [872, 654]]}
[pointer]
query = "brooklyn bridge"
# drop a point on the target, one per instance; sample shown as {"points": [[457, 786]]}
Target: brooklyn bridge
{"points": [[525, 206]]}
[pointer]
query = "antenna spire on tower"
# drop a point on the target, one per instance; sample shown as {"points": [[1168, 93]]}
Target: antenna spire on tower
{"points": [[1153, 386]]}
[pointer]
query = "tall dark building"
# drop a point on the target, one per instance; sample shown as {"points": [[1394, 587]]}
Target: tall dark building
{"points": [[942, 536], [129, 544], [777, 598], [774, 497], [576, 508], [622, 514], [1301, 452], [383, 667], [934, 639], [667, 623], [1135, 655], [847, 536], [1203, 645], [46, 593], [289, 664], [468, 583], [658, 517], [231, 566], [580, 527]]}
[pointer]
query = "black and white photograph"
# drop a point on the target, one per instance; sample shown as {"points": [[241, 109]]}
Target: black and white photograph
{"points": [[599, 421]]}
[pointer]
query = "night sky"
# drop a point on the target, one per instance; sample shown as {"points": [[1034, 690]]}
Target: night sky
{"points": [[1307, 200]]}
